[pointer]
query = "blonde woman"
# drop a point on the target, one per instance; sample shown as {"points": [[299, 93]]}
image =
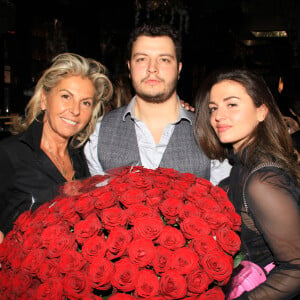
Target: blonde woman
{"points": [[47, 148]]}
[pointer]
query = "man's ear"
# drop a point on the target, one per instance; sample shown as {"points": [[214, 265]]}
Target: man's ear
{"points": [[179, 69], [128, 66]]}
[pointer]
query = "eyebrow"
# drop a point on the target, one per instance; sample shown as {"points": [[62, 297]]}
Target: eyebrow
{"points": [[226, 99], [65, 90], [145, 54]]}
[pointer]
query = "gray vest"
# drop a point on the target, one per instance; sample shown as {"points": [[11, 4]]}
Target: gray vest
{"points": [[117, 146]]}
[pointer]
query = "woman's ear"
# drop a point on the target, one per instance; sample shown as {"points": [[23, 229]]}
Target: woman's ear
{"points": [[43, 100], [262, 112]]}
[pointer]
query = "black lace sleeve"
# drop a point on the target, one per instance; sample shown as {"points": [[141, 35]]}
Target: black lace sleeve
{"points": [[273, 200]]}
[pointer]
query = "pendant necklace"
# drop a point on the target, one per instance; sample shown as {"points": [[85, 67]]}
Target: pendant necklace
{"points": [[60, 163]]}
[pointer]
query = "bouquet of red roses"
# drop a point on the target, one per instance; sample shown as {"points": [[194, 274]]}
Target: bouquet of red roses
{"points": [[134, 234]]}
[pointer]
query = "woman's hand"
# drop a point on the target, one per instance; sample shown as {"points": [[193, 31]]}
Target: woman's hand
{"points": [[186, 106]]}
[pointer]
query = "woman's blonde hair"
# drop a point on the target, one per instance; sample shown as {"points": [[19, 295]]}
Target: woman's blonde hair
{"points": [[66, 65]]}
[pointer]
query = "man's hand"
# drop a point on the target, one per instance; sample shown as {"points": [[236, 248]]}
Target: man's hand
{"points": [[186, 106], [1, 237]]}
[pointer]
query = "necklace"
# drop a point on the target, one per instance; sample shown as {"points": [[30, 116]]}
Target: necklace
{"points": [[59, 163]]}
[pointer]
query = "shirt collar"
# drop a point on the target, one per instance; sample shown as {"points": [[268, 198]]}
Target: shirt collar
{"points": [[183, 114]]}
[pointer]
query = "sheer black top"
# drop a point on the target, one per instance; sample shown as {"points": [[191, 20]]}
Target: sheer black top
{"points": [[270, 228]]}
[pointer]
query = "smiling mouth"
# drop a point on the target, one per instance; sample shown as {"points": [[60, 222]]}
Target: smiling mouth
{"points": [[223, 128], [69, 121]]}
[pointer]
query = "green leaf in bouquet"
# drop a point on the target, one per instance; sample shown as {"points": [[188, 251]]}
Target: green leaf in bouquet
{"points": [[238, 259]]}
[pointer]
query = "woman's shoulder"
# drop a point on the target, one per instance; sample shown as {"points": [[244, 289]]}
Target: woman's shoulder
{"points": [[273, 179]]}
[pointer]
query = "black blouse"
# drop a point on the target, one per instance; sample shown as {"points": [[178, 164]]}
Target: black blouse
{"points": [[28, 178], [270, 229]]}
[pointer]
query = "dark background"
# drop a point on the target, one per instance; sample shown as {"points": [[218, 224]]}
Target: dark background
{"points": [[214, 33]]}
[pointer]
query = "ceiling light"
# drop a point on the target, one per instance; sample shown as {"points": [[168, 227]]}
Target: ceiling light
{"points": [[270, 34]]}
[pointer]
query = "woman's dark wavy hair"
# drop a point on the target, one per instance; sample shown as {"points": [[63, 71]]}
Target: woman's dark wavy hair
{"points": [[268, 142]]}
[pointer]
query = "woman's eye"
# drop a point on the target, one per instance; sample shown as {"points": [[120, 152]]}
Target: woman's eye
{"points": [[65, 96], [87, 103], [212, 109], [232, 104]]}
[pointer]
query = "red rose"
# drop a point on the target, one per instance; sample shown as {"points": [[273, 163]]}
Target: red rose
{"points": [[87, 228], [125, 276], [51, 219], [15, 257], [66, 209], [93, 247], [141, 252], [70, 261], [214, 293], [52, 232], [90, 296], [188, 210], [171, 238], [20, 283], [132, 196], [84, 205], [153, 197], [193, 227], [174, 193], [203, 244], [161, 182], [228, 240], [48, 269], [219, 194], [162, 259], [226, 205], [195, 192], [113, 217], [198, 281], [216, 220], [137, 211], [31, 242], [170, 209], [148, 228], [167, 172], [235, 220], [155, 298], [41, 213], [23, 221], [173, 285], [119, 188], [117, 242], [218, 265], [52, 289], [32, 262], [121, 296], [207, 204], [184, 260], [105, 200], [181, 185], [147, 284], [137, 180], [58, 245], [75, 284], [188, 177], [100, 273]]}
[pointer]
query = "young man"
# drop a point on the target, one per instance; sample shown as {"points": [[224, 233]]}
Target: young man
{"points": [[153, 129]]}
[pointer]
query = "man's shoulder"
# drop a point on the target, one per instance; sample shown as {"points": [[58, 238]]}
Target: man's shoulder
{"points": [[115, 112]]}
